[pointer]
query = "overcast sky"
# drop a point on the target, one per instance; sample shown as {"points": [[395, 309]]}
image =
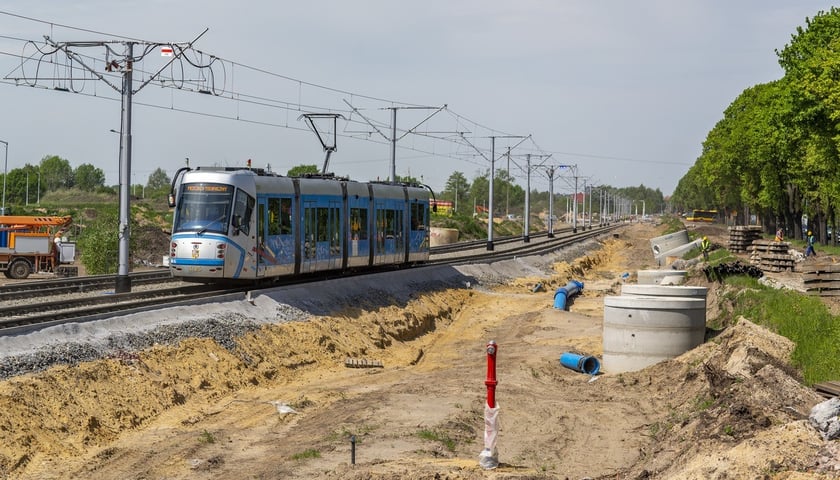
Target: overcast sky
{"points": [[626, 91]]}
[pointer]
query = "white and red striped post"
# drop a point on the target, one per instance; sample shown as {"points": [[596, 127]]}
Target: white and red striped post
{"points": [[489, 457]]}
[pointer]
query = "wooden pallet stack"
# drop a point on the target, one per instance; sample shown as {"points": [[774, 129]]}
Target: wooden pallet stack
{"points": [[821, 278], [772, 256], [742, 236]]}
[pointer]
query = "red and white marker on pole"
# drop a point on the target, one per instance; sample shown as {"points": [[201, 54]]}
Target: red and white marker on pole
{"points": [[489, 457]]}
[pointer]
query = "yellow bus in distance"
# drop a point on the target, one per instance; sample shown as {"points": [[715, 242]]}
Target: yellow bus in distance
{"points": [[702, 216]]}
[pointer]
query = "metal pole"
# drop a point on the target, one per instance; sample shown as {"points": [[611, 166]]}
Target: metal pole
{"points": [[551, 202], [27, 189], [490, 202], [123, 280], [456, 198], [583, 204], [601, 196], [393, 145], [590, 207], [39, 184], [5, 174], [507, 200], [574, 205], [568, 209], [527, 237]]}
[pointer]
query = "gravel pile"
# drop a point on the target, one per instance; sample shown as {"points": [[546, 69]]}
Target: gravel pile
{"points": [[223, 329]]}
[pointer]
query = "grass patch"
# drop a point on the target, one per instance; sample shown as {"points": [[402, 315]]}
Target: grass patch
{"points": [[434, 436], [672, 224], [308, 453], [716, 256], [703, 403], [206, 437], [803, 319]]}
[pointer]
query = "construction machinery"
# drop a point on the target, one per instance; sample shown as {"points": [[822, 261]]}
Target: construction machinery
{"points": [[32, 244]]}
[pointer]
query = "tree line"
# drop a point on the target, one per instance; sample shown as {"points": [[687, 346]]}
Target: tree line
{"points": [[30, 182], [509, 197], [775, 154]]}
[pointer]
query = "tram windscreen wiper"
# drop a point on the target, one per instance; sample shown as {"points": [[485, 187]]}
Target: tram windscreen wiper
{"points": [[218, 220]]}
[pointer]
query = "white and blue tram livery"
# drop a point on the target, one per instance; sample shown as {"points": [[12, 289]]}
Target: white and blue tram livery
{"points": [[248, 224]]}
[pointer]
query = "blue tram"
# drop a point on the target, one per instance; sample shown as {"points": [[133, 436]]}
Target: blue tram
{"points": [[249, 224]]}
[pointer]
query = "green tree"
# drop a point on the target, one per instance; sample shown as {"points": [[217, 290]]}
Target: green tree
{"points": [[408, 179], [99, 244], [88, 178], [302, 170], [56, 173], [811, 67], [158, 180], [457, 191], [480, 190]]}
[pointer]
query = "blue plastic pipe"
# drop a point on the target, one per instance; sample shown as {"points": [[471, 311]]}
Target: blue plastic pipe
{"points": [[580, 363], [564, 293]]}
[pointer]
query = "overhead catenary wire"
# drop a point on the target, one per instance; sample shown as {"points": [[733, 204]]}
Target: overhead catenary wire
{"points": [[219, 71], [246, 66]]}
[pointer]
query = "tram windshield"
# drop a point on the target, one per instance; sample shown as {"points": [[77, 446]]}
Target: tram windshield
{"points": [[204, 207]]}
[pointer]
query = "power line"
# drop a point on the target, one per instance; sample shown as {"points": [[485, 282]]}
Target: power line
{"points": [[625, 159], [261, 70], [204, 60]]}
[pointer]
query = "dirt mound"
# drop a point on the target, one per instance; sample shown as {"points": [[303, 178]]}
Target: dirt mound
{"points": [[736, 407], [151, 244]]}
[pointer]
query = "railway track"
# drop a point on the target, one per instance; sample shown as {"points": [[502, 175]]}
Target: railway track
{"points": [[94, 283], [506, 249], [32, 305], [22, 318]]}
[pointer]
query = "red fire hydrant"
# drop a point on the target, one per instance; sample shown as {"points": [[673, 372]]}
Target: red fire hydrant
{"points": [[491, 382], [489, 457]]}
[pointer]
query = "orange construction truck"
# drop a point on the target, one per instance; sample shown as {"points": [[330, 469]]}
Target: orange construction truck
{"points": [[28, 244]]}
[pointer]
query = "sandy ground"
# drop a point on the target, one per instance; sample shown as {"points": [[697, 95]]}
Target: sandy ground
{"points": [[731, 408]]}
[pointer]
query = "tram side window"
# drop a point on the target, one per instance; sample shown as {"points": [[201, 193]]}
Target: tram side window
{"points": [[273, 216], [389, 224], [261, 222], [285, 215], [397, 228], [418, 217], [243, 208], [323, 218], [397, 225], [309, 229], [335, 231], [380, 227], [358, 223]]}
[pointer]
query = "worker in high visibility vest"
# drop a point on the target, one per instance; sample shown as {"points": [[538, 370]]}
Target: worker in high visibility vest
{"points": [[809, 244], [705, 245]]}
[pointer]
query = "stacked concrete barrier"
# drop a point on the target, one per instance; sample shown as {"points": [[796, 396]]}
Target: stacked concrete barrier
{"points": [[660, 277], [688, 291]]}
